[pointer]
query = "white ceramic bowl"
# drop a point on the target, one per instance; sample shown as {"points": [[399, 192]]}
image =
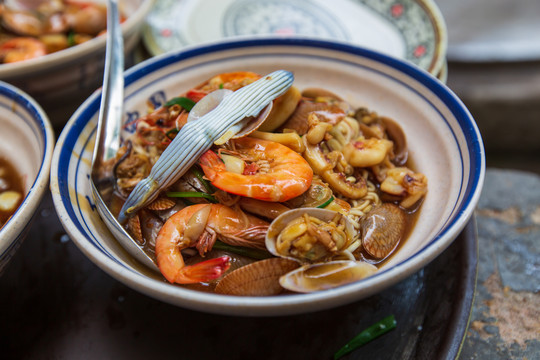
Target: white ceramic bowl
{"points": [[71, 75], [444, 144], [27, 142]]}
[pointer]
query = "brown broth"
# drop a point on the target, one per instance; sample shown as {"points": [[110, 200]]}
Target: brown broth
{"points": [[10, 180], [411, 216]]}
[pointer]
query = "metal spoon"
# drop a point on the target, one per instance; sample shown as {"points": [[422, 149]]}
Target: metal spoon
{"points": [[108, 133], [223, 122]]}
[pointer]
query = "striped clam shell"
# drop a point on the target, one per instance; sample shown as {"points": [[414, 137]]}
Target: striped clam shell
{"points": [[161, 203], [260, 278], [135, 230]]}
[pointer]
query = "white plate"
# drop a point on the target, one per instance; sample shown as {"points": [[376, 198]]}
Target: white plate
{"points": [[413, 30]]}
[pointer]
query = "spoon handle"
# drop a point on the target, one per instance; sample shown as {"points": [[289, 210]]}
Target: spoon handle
{"points": [[110, 112], [109, 126]]}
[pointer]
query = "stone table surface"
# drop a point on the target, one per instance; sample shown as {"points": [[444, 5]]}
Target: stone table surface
{"points": [[505, 321]]}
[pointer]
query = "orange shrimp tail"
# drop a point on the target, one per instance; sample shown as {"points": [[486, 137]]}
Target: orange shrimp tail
{"points": [[211, 164], [204, 271]]}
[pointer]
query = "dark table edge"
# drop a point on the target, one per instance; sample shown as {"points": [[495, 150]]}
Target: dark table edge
{"points": [[451, 347]]}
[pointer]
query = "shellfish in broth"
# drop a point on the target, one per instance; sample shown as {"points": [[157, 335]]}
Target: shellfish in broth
{"points": [[316, 238], [305, 194]]}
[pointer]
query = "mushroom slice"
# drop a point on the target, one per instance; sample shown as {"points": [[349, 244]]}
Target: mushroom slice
{"points": [[396, 134], [328, 275], [260, 278]]}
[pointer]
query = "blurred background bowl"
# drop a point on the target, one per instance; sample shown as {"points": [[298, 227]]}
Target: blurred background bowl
{"points": [[27, 142], [61, 81], [443, 139]]}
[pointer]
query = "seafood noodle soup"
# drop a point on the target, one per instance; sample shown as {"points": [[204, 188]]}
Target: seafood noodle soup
{"points": [[314, 193], [30, 29], [11, 191]]}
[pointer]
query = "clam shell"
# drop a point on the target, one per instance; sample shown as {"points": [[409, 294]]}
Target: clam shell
{"points": [[161, 203], [279, 223], [135, 230], [260, 278], [328, 275], [382, 229]]}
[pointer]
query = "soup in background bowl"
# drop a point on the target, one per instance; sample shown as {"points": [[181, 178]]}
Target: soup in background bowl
{"points": [[61, 81], [443, 142], [26, 144]]}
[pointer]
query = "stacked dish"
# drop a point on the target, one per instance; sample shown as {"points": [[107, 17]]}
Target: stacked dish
{"points": [[413, 30]]}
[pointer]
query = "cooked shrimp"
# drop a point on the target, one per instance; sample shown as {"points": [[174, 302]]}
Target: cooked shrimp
{"points": [[269, 171], [199, 226], [86, 17], [23, 23], [22, 48], [231, 81]]}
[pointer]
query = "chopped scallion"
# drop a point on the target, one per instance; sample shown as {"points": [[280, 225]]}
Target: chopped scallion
{"points": [[244, 251], [326, 203], [200, 175], [71, 39], [372, 332], [171, 132], [184, 102], [191, 194]]}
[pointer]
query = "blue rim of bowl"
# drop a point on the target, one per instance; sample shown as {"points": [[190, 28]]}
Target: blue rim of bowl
{"points": [[451, 101], [43, 130]]}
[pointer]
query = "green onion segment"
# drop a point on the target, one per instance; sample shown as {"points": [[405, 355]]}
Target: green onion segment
{"points": [[372, 332], [326, 203], [191, 194], [244, 251], [184, 102]]}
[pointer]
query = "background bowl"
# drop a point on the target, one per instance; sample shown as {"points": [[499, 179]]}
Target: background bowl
{"points": [[61, 81], [27, 142], [444, 144]]}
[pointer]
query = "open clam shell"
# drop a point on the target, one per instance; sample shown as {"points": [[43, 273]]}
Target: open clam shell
{"points": [[328, 275], [382, 229], [212, 100], [281, 222], [260, 278]]}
